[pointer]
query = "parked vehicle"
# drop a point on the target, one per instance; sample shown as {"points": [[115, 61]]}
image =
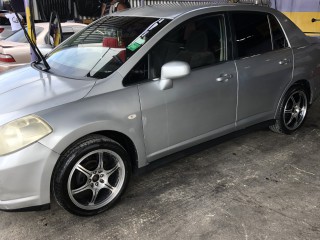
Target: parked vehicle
{"points": [[5, 31], [15, 50], [139, 85]]}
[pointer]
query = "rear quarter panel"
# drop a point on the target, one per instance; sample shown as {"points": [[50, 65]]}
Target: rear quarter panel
{"points": [[306, 56], [307, 67]]}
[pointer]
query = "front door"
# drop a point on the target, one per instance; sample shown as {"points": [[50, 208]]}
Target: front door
{"points": [[199, 106]]}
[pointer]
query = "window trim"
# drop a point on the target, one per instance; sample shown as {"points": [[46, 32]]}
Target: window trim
{"points": [[271, 34], [282, 29]]}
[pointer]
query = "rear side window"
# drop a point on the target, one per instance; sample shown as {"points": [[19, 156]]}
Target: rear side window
{"points": [[252, 33], [278, 38]]}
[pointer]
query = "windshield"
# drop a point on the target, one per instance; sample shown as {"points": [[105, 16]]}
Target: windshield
{"points": [[104, 46], [20, 37]]}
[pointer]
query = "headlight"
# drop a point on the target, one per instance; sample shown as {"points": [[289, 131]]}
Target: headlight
{"points": [[21, 133]]}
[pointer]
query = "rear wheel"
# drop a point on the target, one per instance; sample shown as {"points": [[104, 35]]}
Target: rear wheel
{"points": [[292, 112], [91, 176]]}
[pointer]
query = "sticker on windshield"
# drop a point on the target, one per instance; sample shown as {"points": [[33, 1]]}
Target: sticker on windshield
{"points": [[137, 43]]}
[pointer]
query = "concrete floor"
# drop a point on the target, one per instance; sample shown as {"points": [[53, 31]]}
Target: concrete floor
{"points": [[259, 185]]}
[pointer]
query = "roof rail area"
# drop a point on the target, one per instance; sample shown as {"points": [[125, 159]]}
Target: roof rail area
{"points": [[255, 2], [138, 3]]}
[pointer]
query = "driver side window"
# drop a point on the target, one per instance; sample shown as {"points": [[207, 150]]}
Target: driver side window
{"points": [[200, 42]]}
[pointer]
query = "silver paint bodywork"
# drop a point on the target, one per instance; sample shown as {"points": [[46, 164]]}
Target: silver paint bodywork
{"points": [[197, 108]]}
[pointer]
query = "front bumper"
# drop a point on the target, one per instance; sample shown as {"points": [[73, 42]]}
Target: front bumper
{"points": [[25, 177]]}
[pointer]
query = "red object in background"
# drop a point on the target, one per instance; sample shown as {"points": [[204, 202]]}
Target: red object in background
{"points": [[113, 42], [1, 30]]}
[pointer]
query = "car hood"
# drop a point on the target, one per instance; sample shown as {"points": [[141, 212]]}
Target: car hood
{"points": [[27, 91]]}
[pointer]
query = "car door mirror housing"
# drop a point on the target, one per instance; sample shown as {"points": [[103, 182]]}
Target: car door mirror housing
{"points": [[173, 70]]}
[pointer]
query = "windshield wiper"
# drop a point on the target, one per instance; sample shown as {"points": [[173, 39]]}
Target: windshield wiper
{"points": [[32, 44]]}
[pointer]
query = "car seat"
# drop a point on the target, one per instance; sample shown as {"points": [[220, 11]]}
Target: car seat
{"points": [[196, 51]]}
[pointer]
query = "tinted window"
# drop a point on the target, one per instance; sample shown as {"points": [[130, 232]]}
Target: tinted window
{"points": [[139, 73], [252, 33], [279, 39], [199, 42]]}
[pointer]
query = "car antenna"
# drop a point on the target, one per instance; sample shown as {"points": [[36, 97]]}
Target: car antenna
{"points": [[33, 46]]}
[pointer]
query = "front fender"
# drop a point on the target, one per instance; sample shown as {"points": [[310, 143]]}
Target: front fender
{"points": [[116, 111]]}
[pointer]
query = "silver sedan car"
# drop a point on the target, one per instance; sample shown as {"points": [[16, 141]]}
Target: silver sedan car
{"points": [[140, 85]]}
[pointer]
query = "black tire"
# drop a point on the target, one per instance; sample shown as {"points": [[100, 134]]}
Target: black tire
{"points": [[91, 175], [292, 111]]}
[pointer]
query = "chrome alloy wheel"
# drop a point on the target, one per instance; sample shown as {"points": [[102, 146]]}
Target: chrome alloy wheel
{"points": [[295, 110], [96, 179]]}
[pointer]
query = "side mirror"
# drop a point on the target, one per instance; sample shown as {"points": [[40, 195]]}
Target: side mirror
{"points": [[172, 70]]}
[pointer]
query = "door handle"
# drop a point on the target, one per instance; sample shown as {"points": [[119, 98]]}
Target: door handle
{"points": [[224, 78], [284, 61]]}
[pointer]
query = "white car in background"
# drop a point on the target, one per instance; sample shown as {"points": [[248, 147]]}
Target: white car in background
{"points": [[5, 31], [15, 50]]}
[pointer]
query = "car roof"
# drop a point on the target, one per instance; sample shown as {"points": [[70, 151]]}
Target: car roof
{"points": [[64, 24], [185, 9], [174, 10]]}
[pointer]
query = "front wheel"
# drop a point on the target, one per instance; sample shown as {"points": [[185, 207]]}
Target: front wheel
{"points": [[292, 111], [91, 176]]}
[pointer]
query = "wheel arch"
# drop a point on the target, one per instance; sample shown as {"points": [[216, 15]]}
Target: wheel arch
{"points": [[306, 85], [116, 136], [280, 126], [125, 142], [301, 82]]}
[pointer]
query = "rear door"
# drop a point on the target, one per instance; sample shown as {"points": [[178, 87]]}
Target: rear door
{"points": [[264, 62]]}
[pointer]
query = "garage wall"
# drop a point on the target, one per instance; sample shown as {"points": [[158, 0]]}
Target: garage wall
{"points": [[301, 12]]}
